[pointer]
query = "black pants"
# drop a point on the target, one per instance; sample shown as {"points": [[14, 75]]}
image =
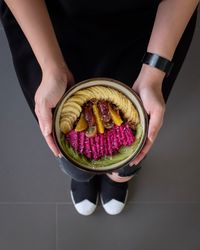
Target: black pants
{"points": [[121, 61]]}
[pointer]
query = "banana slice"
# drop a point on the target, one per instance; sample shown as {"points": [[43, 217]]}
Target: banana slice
{"points": [[85, 93], [72, 107], [64, 126], [72, 104], [68, 114], [76, 99]]}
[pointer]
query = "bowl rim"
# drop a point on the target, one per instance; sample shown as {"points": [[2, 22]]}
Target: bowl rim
{"points": [[99, 170]]}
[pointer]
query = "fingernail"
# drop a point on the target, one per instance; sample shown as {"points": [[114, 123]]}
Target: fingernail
{"points": [[131, 163], [114, 173], [60, 155], [150, 139]]}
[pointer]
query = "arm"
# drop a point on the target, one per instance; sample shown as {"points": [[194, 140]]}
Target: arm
{"points": [[171, 20], [34, 20]]}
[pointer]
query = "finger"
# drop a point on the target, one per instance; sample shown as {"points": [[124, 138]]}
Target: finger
{"points": [[155, 123], [49, 140], [115, 177], [44, 115], [142, 154]]}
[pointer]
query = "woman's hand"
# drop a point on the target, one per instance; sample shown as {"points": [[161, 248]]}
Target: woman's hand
{"points": [[149, 87], [54, 84]]}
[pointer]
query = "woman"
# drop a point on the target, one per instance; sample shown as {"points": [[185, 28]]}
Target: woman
{"points": [[55, 44]]}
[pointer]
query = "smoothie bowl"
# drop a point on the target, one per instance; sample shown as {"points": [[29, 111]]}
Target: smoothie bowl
{"points": [[100, 125]]}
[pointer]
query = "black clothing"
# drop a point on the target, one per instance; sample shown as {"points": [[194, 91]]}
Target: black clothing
{"points": [[97, 38]]}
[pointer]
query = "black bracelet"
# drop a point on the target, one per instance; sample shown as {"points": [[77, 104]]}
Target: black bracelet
{"points": [[158, 62]]}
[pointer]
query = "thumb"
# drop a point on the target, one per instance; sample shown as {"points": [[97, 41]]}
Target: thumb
{"points": [[155, 123], [45, 119]]}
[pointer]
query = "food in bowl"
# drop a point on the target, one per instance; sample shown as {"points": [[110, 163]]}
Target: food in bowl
{"points": [[99, 127]]}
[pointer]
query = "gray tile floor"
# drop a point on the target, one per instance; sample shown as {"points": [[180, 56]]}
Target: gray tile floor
{"points": [[163, 210]]}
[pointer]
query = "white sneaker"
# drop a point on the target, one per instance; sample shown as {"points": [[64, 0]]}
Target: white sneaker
{"points": [[84, 196], [113, 195]]}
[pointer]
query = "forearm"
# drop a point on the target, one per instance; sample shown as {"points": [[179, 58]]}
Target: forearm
{"points": [[33, 18], [171, 20]]}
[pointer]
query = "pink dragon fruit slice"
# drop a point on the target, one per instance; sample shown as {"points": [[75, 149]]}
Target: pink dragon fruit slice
{"points": [[93, 148], [123, 136], [118, 135], [97, 144], [73, 139], [87, 149], [105, 144], [111, 137], [81, 142], [126, 134], [101, 140], [101, 144], [131, 137], [109, 143], [115, 140]]}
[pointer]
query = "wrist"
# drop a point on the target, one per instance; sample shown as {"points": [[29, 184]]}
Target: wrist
{"points": [[159, 62], [151, 76], [59, 72], [52, 65]]}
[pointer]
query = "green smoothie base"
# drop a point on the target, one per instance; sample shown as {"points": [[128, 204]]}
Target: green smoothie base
{"points": [[122, 154]]}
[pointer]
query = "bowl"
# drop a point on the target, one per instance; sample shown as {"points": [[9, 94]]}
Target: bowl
{"points": [[111, 162]]}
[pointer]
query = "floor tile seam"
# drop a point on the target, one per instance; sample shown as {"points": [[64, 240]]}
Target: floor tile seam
{"points": [[165, 202], [35, 203], [130, 202]]}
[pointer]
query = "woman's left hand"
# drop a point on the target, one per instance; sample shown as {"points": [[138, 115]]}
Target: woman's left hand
{"points": [[149, 88]]}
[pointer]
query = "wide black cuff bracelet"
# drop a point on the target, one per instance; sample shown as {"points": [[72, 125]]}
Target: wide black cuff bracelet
{"points": [[158, 62]]}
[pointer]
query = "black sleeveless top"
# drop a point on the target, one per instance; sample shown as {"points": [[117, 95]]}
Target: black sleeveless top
{"points": [[106, 38], [96, 27]]}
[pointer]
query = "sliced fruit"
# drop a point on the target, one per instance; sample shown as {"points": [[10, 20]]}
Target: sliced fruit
{"points": [[115, 116], [81, 141], [65, 127], [73, 138], [69, 114], [72, 107], [82, 124], [96, 145], [109, 124], [89, 116], [104, 111], [99, 121], [91, 131]]}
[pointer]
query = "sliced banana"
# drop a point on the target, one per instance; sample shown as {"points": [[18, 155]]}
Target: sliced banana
{"points": [[64, 126], [76, 99], [68, 114], [72, 107]]}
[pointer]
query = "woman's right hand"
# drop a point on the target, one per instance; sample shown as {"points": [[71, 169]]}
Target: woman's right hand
{"points": [[53, 85]]}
